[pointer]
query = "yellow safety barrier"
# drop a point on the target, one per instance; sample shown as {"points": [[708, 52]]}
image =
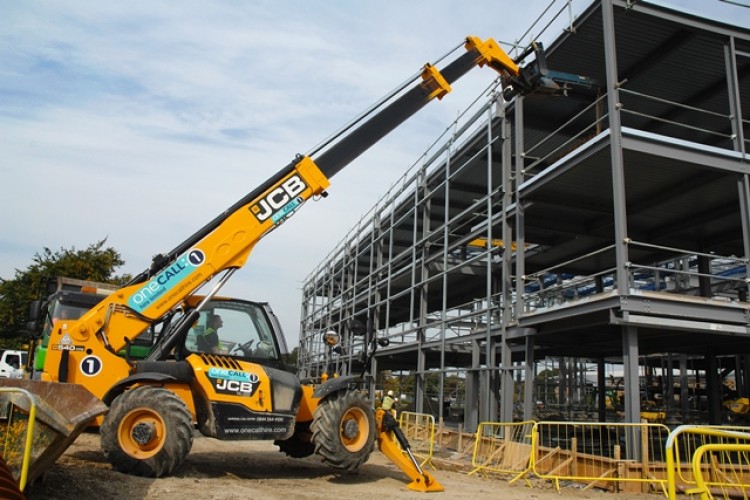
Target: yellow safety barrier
{"points": [[419, 429], [19, 439], [729, 470], [504, 448], [620, 456]]}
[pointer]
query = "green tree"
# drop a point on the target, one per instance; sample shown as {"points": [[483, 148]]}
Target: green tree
{"points": [[96, 263]]}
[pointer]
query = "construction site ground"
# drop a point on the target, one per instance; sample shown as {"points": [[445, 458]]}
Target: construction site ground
{"points": [[256, 469]]}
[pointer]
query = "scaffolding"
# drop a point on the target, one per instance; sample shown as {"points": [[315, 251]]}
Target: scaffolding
{"points": [[601, 223]]}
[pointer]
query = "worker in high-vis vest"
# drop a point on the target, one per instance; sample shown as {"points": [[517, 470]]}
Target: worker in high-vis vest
{"points": [[208, 341]]}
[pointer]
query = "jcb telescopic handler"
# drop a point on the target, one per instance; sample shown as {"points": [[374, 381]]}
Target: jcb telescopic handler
{"points": [[216, 364]]}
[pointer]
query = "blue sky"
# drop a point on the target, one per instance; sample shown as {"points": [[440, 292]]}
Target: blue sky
{"points": [[140, 121]]}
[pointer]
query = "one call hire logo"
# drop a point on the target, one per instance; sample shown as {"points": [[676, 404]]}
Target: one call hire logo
{"points": [[166, 280], [282, 198]]}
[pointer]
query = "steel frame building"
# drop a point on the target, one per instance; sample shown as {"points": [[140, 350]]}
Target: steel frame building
{"points": [[606, 220]]}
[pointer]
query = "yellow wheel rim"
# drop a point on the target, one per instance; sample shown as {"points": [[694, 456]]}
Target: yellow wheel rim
{"points": [[141, 433], [354, 429]]}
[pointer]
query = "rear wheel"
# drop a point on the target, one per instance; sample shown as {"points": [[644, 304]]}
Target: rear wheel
{"points": [[147, 432], [344, 430]]}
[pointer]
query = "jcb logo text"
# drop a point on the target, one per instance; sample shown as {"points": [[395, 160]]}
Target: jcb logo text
{"points": [[235, 386], [278, 198]]}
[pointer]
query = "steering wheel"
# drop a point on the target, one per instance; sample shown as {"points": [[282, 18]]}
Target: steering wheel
{"points": [[243, 348]]}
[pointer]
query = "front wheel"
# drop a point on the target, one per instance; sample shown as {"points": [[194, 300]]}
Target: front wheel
{"points": [[344, 430], [147, 432]]}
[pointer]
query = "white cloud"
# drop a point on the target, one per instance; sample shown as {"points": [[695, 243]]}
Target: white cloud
{"points": [[141, 121]]}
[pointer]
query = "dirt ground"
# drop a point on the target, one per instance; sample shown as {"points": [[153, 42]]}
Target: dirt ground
{"points": [[256, 469]]}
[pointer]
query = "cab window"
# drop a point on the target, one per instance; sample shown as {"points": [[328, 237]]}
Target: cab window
{"points": [[233, 328]]}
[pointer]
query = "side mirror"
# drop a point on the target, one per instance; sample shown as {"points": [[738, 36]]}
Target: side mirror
{"points": [[357, 328], [35, 309], [32, 330]]}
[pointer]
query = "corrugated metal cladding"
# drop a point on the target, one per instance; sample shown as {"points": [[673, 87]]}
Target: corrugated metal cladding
{"points": [[613, 210]]}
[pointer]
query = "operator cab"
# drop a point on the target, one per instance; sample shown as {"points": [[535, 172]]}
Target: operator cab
{"points": [[236, 328]]}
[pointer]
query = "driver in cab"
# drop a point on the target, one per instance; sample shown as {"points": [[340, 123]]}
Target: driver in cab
{"points": [[208, 341]]}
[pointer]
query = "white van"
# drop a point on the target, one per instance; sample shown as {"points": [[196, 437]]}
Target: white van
{"points": [[12, 363]]}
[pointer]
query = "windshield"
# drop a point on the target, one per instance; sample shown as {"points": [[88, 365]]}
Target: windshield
{"points": [[234, 328], [59, 312]]}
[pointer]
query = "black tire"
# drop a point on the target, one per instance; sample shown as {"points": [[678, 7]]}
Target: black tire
{"points": [[147, 432], [300, 445], [344, 430]]}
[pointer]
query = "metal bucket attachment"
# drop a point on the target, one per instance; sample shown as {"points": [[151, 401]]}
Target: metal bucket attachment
{"points": [[39, 420]]}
